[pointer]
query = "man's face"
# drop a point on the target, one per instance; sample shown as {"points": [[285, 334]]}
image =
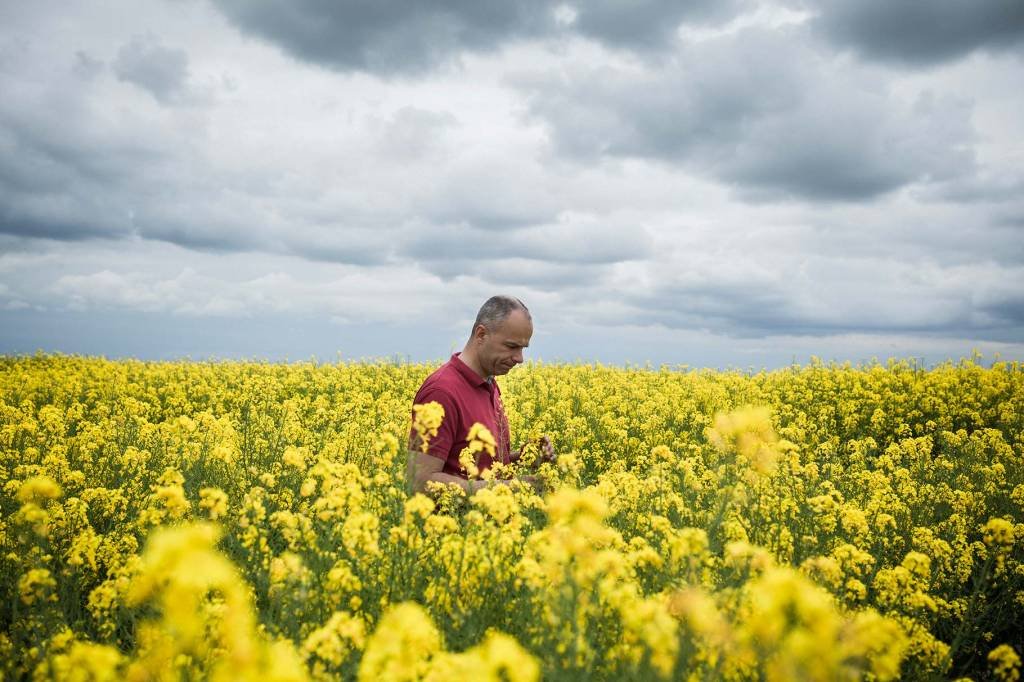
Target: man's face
{"points": [[501, 348]]}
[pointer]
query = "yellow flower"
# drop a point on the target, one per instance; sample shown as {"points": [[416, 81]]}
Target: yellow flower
{"points": [[825, 571], [855, 590], [873, 642], [418, 505], [360, 534], [504, 659], [172, 497], [748, 432], [214, 501], [334, 641], [341, 581], [919, 566], [427, 420], [498, 658], [37, 586], [440, 525], [662, 453], [566, 505], [698, 611], [82, 551], [480, 440], [286, 570], [743, 555], [179, 570], [614, 567], [401, 646], [308, 487], [498, 502], [1005, 663], [998, 533], [37, 489], [295, 457], [88, 662]]}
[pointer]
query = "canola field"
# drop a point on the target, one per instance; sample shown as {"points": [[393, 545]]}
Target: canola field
{"points": [[232, 520]]}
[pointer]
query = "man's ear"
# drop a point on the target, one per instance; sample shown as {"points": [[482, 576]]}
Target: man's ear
{"points": [[479, 333]]}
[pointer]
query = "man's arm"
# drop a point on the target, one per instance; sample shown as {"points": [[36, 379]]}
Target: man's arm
{"points": [[424, 468]]}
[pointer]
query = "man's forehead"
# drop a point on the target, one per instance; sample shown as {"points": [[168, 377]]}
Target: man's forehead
{"points": [[517, 327], [518, 339]]}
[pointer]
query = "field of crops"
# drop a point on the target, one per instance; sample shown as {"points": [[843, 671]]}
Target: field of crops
{"points": [[250, 521]]}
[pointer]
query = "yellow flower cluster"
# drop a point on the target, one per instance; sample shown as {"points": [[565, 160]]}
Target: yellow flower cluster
{"points": [[229, 520]]}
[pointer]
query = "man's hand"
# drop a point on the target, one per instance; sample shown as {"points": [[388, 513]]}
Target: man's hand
{"points": [[535, 481], [547, 450]]}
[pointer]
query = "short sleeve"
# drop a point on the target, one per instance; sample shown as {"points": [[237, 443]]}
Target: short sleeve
{"points": [[441, 444]]}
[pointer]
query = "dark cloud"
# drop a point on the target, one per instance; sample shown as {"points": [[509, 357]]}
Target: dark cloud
{"points": [[762, 111], [86, 66], [756, 310], [981, 188], [646, 24], [53, 188], [1012, 220], [845, 144], [387, 36], [521, 272], [742, 310], [67, 174], [60, 161], [921, 32], [63, 178], [161, 71], [68, 187], [275, 337], [1008, 313], [775, 293], [401, 37], [61, 228], [197, 236], [572, 243], [949, 235], [669, 112], [340, 243], [876, 202]]}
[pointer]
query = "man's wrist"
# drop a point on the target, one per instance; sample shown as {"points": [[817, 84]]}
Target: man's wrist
{"points": [[475, 485]]}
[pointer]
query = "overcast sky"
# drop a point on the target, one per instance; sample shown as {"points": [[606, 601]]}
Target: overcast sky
{"points": [[712, 183]]}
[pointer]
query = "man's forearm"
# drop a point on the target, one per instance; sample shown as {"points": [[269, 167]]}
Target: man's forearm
{"points": [[470, 486], [422, 470], [439, 477]]}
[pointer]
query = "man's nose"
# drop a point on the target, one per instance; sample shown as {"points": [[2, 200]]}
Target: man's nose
{"points": [[518, 357]]}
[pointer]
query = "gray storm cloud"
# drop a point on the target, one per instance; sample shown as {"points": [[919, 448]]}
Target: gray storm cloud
{"points": [[161, 71], [759, 109], [732, 175], [388, 36], [391, 37], [921, 32]]}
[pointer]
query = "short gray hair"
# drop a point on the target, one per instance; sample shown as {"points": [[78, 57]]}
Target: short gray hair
{"points": [[496, 309]]}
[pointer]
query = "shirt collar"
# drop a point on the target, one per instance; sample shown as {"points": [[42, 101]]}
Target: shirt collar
{"points": [[467, 372]]}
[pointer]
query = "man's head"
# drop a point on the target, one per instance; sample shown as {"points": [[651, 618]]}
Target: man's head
{"points": [[501, 331]]}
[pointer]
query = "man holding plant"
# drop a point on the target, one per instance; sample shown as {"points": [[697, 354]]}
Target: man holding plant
{"points": [[465, 388]]}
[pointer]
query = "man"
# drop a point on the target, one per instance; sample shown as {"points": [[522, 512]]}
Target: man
{"points": [[466, 389]]}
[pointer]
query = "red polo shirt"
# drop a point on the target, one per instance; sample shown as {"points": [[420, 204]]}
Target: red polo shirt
{"points": [[466, 398]]}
